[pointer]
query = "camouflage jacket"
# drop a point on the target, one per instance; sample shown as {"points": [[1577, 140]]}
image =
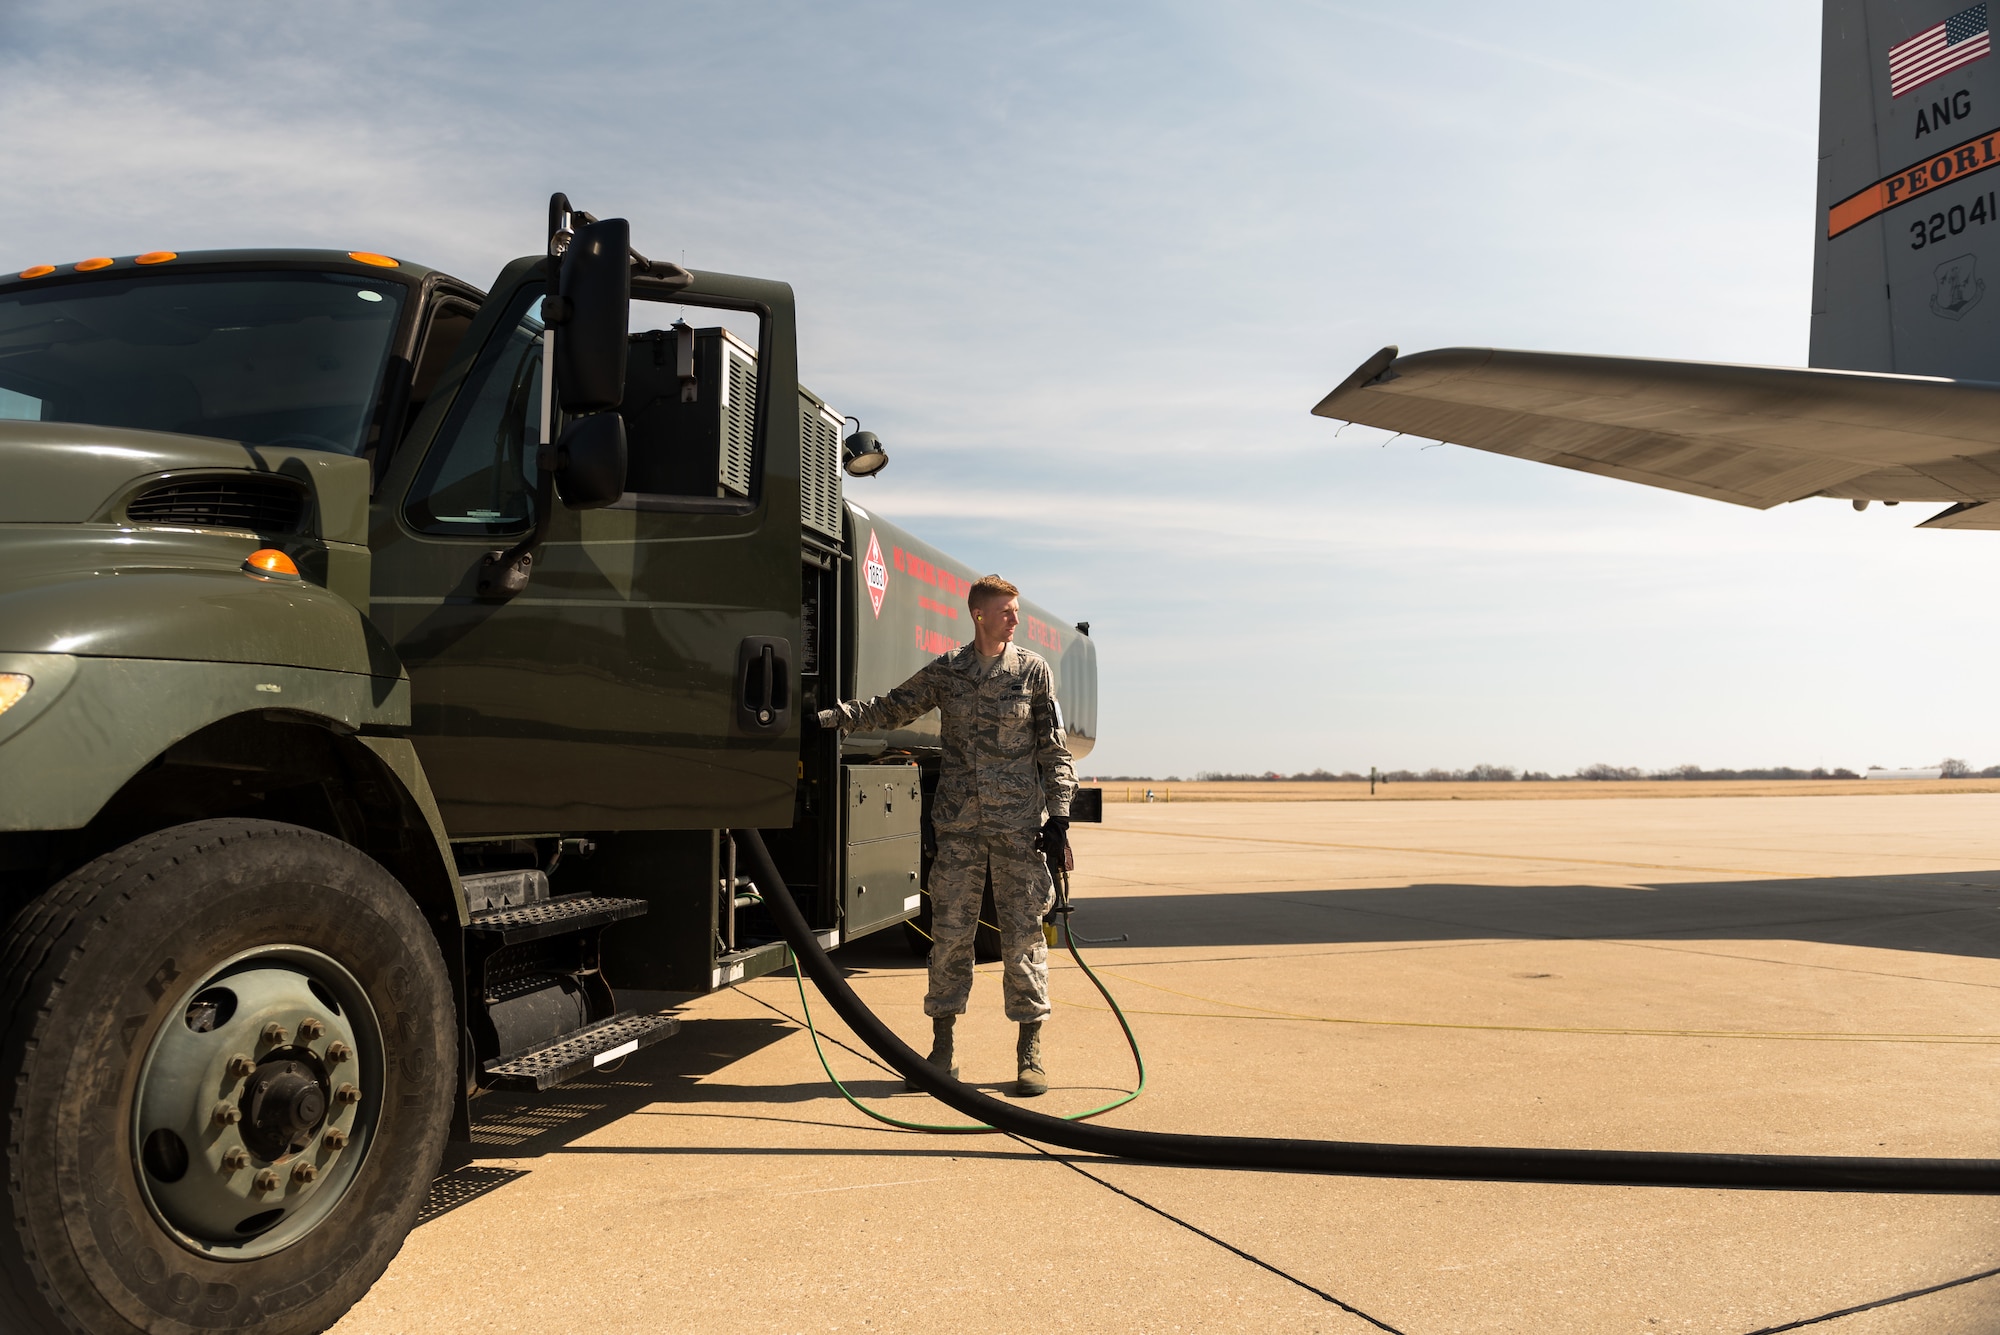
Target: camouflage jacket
{"points": [[1004, 759]]}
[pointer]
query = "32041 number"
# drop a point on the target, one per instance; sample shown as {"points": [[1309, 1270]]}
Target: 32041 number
{"points": [[1929, 231]]}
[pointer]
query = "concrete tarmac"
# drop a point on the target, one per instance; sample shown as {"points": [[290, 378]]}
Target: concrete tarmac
{"points": [[1794, 975]]}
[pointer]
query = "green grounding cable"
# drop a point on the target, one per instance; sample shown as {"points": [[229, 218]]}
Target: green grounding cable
{"points": [[980, 1128]]}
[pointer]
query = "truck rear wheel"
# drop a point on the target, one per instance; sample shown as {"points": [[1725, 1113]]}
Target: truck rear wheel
{"points": [[228, 1060]]}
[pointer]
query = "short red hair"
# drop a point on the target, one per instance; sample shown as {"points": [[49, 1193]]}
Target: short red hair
{"points": [[990, 589]]}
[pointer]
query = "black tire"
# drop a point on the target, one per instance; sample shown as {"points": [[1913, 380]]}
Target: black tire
{"points": [[92, 971]]}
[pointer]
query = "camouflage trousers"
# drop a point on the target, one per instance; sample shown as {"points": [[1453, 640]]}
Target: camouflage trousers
{"points": [[1022, 894]]}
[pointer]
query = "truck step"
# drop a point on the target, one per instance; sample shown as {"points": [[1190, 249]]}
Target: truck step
{"points": [[552, 917], [579, 1053], [504, 889]]}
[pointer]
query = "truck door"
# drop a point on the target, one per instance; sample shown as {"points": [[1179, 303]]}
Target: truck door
{"points": [[646, 678]]}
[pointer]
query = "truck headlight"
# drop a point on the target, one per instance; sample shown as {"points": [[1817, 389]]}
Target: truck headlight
{"points": [[13, 686]]}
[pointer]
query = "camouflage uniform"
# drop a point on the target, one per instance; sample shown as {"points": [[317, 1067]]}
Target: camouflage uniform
{"points": [[1005, 765]]}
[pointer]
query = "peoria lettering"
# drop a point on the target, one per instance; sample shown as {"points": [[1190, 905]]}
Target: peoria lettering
{"points": [[1952, 164]]}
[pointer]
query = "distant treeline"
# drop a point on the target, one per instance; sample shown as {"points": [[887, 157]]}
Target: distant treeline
{"points": [[1507, 774], [1953, 769]]}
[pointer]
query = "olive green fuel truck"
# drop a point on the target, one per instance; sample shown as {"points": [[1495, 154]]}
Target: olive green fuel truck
{"points": [[385, 667]]}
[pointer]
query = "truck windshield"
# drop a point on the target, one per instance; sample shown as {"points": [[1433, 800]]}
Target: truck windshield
{"points": [[261, 357]]}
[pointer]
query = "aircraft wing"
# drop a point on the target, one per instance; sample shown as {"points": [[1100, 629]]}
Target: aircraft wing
{"points": [[1750, 435]]}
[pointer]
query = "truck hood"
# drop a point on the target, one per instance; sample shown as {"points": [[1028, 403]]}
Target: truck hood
{"points": [[69, 473]]}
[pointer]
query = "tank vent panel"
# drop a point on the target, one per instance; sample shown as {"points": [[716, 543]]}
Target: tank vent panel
{"points": [[819, 467], [258, 504], [739, 420]]}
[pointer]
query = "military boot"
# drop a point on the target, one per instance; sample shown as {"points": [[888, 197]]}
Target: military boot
{"points": [[941, 1055], [1032, 1079]]}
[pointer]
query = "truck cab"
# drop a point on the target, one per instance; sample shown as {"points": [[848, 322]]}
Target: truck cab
{"points": [[385, 666]]}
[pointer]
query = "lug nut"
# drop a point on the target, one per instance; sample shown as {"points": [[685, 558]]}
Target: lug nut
{"points": [[334, 1139], [227, 1114], [266, 1180], [347, 1094], [338, 1052], [236, 1159], [240, 1066], [274, 1032], [304, 1173], [310, 1030]]}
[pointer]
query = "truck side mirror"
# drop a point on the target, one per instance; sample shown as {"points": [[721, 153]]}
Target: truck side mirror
{"points": [[590, 459], [594, 297]]}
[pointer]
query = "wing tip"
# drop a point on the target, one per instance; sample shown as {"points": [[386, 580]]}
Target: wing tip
{"points": [[1362, 374]]}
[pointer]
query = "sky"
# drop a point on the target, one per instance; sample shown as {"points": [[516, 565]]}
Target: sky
{"points": [[1086, 268]]}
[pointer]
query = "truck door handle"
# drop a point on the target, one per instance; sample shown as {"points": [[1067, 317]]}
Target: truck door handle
{"points": [[763, 684]]}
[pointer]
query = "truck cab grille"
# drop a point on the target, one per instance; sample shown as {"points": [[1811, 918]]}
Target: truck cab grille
{"points": [[259, 504]]}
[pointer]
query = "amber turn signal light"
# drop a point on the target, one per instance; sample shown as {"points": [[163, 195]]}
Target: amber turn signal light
{"points": [[370, 257], [157, 257], [87, 266], [270, 561], [38, 271]]}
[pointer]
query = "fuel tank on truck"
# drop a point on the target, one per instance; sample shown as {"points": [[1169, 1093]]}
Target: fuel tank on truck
{"points": [[907, 606]]}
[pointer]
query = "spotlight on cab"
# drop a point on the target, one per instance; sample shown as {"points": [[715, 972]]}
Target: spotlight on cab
{"points": [[862, 455]]}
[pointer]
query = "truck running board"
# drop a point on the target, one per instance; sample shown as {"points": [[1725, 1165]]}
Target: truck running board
{"points": [[552, 917], [579, 1053]]}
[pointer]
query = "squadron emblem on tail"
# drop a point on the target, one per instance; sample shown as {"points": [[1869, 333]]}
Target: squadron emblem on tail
{"points": [[1959, 287]]}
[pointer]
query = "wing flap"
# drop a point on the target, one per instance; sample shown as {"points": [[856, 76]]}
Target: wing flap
{"points": [[1750, 435], [1975, 515]]}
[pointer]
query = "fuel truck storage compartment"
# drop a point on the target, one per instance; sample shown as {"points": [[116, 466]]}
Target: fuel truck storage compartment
{"points": [[883, 810]]}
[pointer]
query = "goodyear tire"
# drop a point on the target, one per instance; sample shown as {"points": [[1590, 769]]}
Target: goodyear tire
{"points": [[223, 965]]}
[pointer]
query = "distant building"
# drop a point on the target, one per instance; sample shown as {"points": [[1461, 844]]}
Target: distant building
{"points": [[1904, 774]]}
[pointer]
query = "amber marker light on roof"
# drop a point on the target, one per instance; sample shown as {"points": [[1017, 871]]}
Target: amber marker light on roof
{"points": [[157, 257], [101, 262], [370, 257], [270, 561], [38, 271]]}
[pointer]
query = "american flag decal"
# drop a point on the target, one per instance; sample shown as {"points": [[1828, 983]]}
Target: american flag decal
{"points": [[1936, 51]]}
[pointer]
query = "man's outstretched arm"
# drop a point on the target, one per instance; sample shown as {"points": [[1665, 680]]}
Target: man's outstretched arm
{"points": [[907, 703]]}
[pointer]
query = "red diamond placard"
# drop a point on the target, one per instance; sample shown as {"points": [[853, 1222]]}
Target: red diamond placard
{"points": [[876, 572]]}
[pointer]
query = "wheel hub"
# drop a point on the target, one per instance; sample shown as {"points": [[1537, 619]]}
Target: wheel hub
{"points": [[284, 1102], [256, 1103]]}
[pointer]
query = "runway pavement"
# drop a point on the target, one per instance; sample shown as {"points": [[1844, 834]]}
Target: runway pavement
{"points": [[1781, 974]]}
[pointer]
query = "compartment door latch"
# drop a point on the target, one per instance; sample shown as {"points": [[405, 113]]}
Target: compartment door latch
{"points": [[763, 684]]}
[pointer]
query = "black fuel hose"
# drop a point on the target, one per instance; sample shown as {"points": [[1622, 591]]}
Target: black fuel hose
{"points": [[1486, 1163]]}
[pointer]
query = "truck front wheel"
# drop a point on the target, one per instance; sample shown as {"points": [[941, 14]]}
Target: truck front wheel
{"points": [[228, 1061]]}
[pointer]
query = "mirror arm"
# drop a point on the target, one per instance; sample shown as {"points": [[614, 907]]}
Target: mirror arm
{"points": [[563, 222], [660, 271]]}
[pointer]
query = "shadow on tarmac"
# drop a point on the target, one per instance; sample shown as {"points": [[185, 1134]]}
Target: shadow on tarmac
{"points": [[516, 1127], [1946, 913]]}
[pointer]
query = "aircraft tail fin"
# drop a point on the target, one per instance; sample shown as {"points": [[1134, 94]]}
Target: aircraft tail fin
{"points": [[1907, 233]]}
